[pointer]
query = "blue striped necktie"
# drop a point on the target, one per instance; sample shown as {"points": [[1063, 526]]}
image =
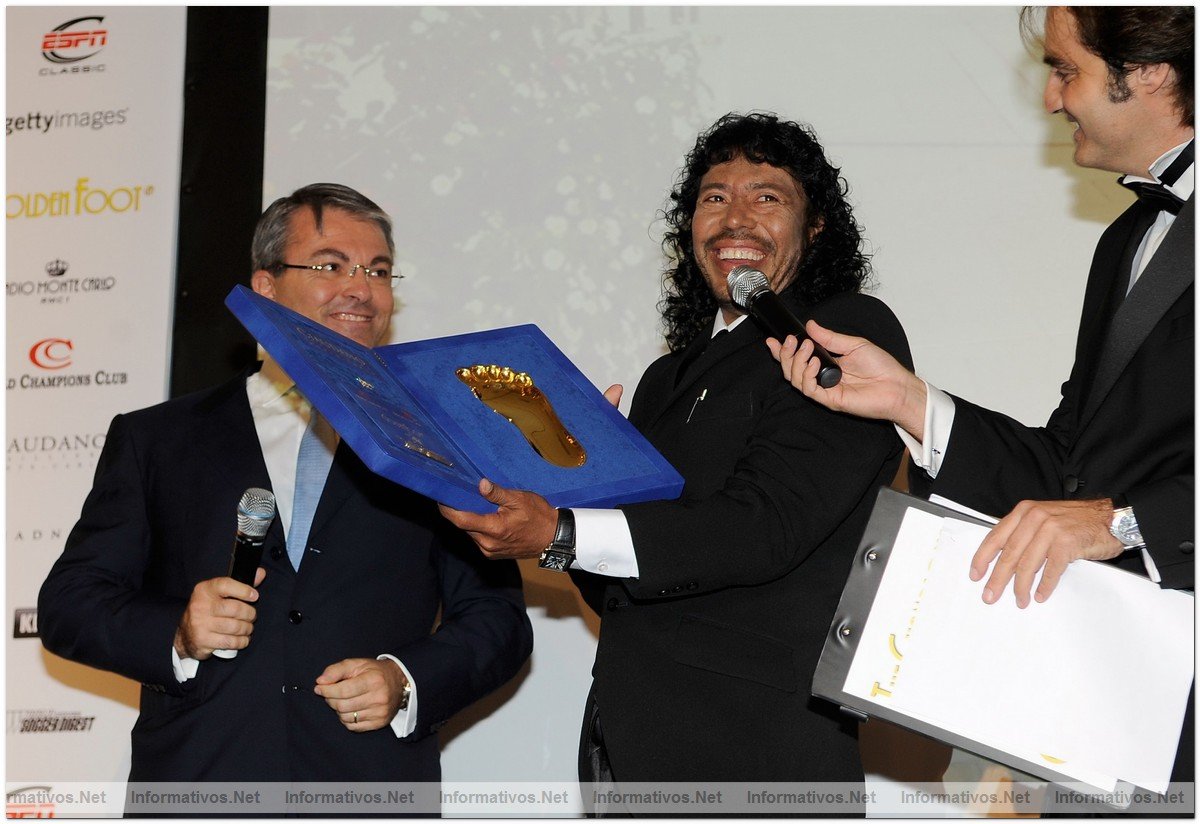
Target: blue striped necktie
{"points": [[312, 468]]}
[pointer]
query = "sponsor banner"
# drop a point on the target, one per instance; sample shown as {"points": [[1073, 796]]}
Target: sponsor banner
{"points": [[52, 360], [74, 46], [93, 124], [57, 285], [558, 799], [81, 197], [25, 623], [38, 123], [21, 722], [61, 450]]}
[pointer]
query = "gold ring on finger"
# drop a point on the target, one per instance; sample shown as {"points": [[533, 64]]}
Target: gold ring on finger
{"points": [[355, 721]]}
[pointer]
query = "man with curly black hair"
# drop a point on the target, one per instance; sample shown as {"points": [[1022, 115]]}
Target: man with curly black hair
{"points": [[715, 606]]}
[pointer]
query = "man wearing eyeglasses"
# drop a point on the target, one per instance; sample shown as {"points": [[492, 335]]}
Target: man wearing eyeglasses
{"points": [[337, 675]]}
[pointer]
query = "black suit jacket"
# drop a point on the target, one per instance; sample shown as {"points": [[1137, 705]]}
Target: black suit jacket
{"points": [[160, 518], [1125, 424], [705, 661]]}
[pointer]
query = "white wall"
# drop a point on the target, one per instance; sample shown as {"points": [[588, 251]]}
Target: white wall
{"points": [[525, 154]]}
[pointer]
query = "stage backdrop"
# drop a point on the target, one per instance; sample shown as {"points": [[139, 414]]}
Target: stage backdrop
{"points": [[92, 149], [525, 154]]}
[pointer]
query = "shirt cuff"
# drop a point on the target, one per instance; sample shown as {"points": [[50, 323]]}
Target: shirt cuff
{"points": [[939, 418], [1151, 569], [603, 544], [185, 668], [406, 720]]}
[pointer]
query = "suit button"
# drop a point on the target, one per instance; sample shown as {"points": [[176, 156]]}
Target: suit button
{"points": [[677, 588], [1071, 483], [692, 585], [295, 616], [612, 603], [662, 592], [277, 553], [1187, 547]]}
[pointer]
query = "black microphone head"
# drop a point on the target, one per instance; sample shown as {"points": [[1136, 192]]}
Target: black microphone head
{"points": [[745, 284], [255, 512]]}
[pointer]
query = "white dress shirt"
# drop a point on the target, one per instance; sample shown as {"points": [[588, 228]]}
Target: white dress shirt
{"points": [[281, 414], [602, 541], [939, 407]]}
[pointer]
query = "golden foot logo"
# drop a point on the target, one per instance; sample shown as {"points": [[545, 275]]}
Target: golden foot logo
{"points": [[514, 396]]}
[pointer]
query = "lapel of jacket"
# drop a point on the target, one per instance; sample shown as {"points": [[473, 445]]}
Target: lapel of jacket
{"points": [[714, 352], [231, 447], [227, 429], [1169, 273]]}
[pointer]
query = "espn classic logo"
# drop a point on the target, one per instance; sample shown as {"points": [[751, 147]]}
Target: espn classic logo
{"points": [[34, 801], [68, 46]]}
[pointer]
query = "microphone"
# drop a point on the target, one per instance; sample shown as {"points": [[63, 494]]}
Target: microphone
{"points": [[255, 512], [750, 291]]}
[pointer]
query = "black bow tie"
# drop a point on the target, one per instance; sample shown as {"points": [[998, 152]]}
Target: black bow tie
{"points": [[1156, 195]]}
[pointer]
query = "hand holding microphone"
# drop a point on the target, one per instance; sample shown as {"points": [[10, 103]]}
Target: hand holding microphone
{"points": [[750, 291], [219, 610]]}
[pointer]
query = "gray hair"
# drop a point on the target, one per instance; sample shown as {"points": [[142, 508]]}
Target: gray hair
{"points": [[271, 234]]}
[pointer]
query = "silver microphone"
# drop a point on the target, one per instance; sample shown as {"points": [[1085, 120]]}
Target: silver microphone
{"points": [[750, 291], [255, 511]]}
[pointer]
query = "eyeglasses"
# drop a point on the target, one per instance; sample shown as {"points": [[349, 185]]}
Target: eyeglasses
{"points": [[333, 271]]}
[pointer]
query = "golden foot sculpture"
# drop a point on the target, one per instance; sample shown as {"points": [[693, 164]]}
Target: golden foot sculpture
{"points": [[514, 396]]}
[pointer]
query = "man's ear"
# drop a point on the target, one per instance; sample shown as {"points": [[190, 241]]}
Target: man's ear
{"points": [[263, 282], [1154, 78]]}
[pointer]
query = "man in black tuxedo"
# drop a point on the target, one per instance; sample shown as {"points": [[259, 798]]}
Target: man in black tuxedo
{"points": [[338, 675], [1111, 476], [715, 606]]}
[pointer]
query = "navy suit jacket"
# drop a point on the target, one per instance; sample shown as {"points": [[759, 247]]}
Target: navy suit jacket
{"points": [[381, 564]]}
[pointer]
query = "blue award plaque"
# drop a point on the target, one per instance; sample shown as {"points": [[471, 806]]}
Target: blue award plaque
{"points": [[438, 415]]}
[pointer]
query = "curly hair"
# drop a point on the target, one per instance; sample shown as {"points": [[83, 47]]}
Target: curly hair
{"points": [[833, 263]]}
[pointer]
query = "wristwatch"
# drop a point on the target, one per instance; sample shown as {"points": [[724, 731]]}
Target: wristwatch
{"points": [[1124, 526], [561, 552]]}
